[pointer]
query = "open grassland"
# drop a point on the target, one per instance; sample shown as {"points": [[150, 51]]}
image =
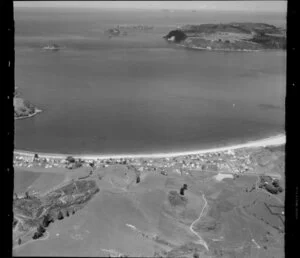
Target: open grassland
{"points": [[216, 216]]}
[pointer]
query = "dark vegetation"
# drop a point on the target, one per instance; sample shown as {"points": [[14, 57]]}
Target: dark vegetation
{"points": [[269, 184], [183, 188], [138, 179], [178, 35], [72, 163], [176, 199], [15, 222], [70, 159], [269, 41], [40, 212], [234, 27], [136, 171]]}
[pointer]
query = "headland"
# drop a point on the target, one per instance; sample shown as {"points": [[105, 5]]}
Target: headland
{"points": [[23, 108]]}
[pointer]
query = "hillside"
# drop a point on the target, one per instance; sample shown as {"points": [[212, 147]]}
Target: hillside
{"points": [[229, 207], [33, 214], [232, 36]]}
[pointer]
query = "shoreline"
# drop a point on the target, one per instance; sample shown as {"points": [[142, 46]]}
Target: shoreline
{"points": [[276, 140], [36, 111], [229, 50], [221, 49]]}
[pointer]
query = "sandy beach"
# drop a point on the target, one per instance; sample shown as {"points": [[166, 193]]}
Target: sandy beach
{"points": [[270, 141]]}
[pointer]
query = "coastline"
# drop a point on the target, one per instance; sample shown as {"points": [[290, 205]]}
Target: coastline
{"points": [[220, 49], [36, 111], [276, 140]]}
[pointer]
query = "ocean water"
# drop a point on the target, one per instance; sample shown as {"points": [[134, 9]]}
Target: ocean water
{"points": [[139, 94]]}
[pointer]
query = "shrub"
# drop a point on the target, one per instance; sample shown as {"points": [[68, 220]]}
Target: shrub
{"points": [[275, 183], [70, 159], [176, 200], [60, 216], [138, 179]]}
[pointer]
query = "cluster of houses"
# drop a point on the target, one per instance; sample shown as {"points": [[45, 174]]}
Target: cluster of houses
{"points": [[36, 161], [226, 161]]}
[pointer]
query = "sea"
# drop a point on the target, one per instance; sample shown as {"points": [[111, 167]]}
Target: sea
{"points": [[139, 94]]}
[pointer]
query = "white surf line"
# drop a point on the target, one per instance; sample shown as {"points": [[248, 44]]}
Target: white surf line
{"points": [[201, 241], [270, 141]]}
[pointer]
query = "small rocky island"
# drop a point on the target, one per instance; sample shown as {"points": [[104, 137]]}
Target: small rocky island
{"points": [[125, 29], [52, 47], [24, 108], [229, 37]]}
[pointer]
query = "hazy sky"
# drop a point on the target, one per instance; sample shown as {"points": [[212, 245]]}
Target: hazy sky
{"points": [[272, 6]]}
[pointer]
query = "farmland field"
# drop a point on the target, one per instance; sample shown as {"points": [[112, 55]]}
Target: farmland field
{"points": [[139, 219]]}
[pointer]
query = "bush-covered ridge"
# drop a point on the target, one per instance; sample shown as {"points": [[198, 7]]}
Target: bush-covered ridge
{"points": [[33, 214]]}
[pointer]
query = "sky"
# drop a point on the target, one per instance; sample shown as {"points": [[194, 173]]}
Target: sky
{"points": [[254, 6]]}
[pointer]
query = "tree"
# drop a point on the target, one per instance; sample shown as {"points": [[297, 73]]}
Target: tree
{"points": [[36, 156], [183, 188], [92, 164], [181, 191], [41, 229], [196, 255], [47, 220], [60, 216], [138, 179], [70, 159], [275, 183], [27, 195], [78, 163]]}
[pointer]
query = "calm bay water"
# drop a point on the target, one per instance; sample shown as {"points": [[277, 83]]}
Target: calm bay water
{"points": [[138, 94]]}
